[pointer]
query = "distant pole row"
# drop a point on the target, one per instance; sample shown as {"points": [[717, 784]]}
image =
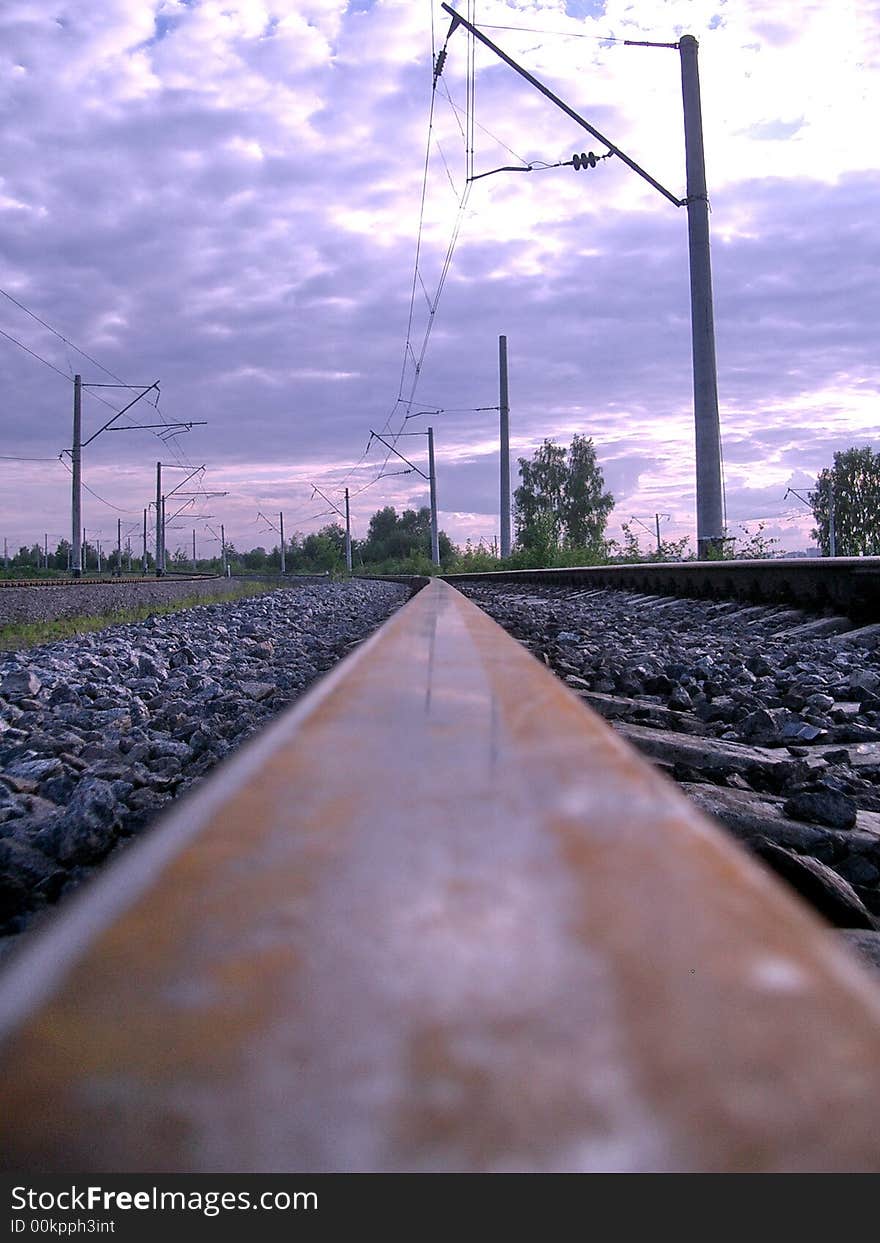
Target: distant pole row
{"points": [[160, 547]]}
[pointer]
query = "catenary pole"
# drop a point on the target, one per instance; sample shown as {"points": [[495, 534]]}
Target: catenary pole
{"points": [[144, 557], [281, 529], [223, 548], [657, 524], [710, 521], [432, 479], [194, 548], [347, 533], [76, 471], [709, 488], [159, 566], [504, 408]]}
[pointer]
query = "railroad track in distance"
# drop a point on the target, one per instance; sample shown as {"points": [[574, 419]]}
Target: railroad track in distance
{"points": [[110, 580], [439, 917]]}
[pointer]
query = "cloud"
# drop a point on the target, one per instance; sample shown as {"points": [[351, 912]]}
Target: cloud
{"points": [[227, 196]]}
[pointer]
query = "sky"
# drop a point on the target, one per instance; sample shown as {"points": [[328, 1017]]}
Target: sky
{"points": [[263, 205]]}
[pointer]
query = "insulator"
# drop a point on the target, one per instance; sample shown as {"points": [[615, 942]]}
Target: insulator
{"points": [[584, 160], [441, 61]]}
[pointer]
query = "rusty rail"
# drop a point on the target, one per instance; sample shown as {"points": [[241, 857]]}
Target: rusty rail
{"points": [[848, 584], [438, 917]]}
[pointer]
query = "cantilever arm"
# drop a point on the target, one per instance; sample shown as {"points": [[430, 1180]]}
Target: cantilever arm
{"points": [[458, 20]]}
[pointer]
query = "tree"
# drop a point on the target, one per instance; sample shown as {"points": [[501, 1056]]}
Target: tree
{"points": [[324, 549], [393, 538], [256, 559], [850, 491], [562, 502], [669, 550]]}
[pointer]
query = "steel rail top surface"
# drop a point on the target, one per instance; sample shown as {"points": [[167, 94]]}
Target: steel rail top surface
{"points": [[438, 917]]}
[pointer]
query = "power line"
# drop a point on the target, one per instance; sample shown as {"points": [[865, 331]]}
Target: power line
{"points": [[93, 493], [58, 334], [408, 351], [34, 354], [561, 34], [487, 132], [9, 457]]}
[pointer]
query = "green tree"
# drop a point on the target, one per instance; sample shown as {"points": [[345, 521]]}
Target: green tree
{"points": [[60, 558], [631, 550], [393, 538], [851, 490], [256, 559], [561, 502], [324, 549]]}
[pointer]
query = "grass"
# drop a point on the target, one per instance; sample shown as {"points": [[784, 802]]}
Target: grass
{"points": [[16, 636]]}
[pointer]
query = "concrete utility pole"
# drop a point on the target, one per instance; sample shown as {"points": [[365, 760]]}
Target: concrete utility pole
{"points": [[119, 547], [223, 548], [194, 548], [98, 543], [432, 481], [710, 517], [144, 557], [160, 568], [45, 550], [657, 524], [504, 408], [76, 470], [281, 529], [347, 533], [710, 507], [832, 533], [78, 445]]}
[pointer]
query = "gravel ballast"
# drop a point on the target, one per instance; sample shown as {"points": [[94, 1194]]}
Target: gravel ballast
{"points": [[773, 731], [46, 602], [99, 733]]}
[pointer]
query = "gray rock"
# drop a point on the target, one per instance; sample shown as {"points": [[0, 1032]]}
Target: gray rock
{"points": [[37, 770], [88, 827], [802, 731], [765, 725], [258, 690], [19, 683], [860, 679], [830, 807], [149, 667], [680, 700]]}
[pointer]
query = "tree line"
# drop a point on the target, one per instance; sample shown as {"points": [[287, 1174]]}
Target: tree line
{"points": [[561, 511]]}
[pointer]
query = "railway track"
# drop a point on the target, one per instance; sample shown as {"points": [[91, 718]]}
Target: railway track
{"points": [[848, 585], [103, 580], [439, 917]]}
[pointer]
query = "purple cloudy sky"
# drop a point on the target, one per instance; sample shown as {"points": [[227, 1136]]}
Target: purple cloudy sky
{"points": [[225, 196]]}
